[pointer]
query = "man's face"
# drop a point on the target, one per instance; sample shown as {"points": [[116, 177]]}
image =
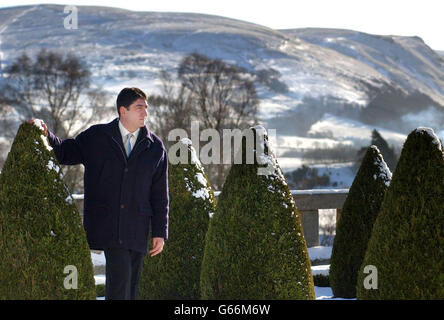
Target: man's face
{"points": [[135, 116]]}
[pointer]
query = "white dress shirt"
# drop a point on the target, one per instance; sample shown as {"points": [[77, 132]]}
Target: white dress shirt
{"points": [[124, 132]]}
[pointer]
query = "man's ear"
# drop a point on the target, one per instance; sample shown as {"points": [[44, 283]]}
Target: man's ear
{"points": [[121, 108]]}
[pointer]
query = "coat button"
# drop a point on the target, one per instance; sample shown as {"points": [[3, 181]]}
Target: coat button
{"points": [[126, 169], [122, 206]]}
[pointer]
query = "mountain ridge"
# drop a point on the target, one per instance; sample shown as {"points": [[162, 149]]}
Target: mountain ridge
{"points": [[377, 80]]}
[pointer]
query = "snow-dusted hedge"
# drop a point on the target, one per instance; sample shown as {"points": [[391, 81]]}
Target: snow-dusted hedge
{"points": [[255, 248], [175, 273], [43, 249], [354, 228], [407, 241]]}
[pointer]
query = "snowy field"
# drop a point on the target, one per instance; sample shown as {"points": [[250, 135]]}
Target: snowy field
{"points": [[352, 132], [315, 253]]}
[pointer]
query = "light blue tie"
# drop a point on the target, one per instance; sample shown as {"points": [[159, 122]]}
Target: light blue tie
{"points": [[128, 144]]}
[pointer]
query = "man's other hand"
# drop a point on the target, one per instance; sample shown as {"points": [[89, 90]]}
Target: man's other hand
{"points": [[157, 246]]}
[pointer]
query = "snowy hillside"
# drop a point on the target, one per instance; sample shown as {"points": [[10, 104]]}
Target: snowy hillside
{"points": [[341, 84], [407, 62], [120, 44], [353, 132]]}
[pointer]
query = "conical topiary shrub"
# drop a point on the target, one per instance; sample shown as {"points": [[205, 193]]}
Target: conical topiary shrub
{"points": [[255, 248], [175, 273], [355, 225], [404, 257], [43, 249]]}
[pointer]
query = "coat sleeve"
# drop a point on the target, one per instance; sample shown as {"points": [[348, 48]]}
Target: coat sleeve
{"points": [[160, 199], [68, 151]]}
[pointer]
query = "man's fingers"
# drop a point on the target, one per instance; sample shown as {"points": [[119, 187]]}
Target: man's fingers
{"points": [[157, 247], [155, 251]]}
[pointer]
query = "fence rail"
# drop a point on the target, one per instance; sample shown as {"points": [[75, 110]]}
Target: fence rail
{"points": [[309, 202]]}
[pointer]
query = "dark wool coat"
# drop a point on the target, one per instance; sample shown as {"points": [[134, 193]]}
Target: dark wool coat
{"points": [[123, 196]]}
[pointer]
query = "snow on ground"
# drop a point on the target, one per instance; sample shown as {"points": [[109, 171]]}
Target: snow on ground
{"points": [[343, 129], [100, 279], [325, 293], [272, 106], [288, 164], [319, 253], [320, 270], [341, 174], [98, 259], [318, 191], [295, 142]]}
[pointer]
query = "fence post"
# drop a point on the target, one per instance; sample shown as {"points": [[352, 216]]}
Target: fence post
{"points": [[310, 226]]}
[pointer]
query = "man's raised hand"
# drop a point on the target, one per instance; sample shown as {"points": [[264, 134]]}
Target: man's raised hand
{"points": [[32, 121]]}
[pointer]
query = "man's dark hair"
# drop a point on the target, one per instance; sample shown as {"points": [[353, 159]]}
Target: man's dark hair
{"points": [[127, 96]]}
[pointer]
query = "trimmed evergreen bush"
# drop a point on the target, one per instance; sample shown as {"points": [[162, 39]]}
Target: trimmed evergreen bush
{"points": [[41, 234], [255, 248], [388, 153], [100, 290], [175, 272], [407, 241], [321, 280], [355, 225]]}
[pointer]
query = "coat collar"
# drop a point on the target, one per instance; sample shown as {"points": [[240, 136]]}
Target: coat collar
{"points": [[112, 129]]}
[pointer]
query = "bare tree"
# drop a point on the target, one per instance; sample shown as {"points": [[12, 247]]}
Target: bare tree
{"points": [[57, 89], [171, 109], [224, 95], [219, 95]]}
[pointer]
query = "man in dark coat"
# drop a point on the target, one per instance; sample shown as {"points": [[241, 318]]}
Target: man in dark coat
{"points": [[126, 190]]}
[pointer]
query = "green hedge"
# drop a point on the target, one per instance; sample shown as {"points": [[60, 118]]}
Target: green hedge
{"points": [[40, 228], [355, 225], [175, 272], [100, 290], [321, 280], [407, 241], [255, 248]]}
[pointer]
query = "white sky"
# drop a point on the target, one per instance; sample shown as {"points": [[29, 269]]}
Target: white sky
{"points": [[423, 18]]}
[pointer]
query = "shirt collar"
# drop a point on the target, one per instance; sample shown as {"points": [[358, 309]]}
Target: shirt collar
{"points": [[124, 132]]}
